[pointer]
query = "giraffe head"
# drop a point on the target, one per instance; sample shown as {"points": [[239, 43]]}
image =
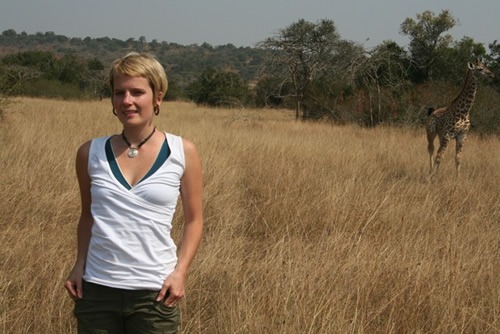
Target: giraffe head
{"points": [[479, 69]]}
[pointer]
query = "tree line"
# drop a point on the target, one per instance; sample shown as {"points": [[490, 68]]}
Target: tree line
{"points": [[306, 67]]}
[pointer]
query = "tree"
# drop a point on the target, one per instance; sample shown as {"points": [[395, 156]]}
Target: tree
{"points": [[219, 89], [71, 70], [42, 61], [270, 91], [493, 59], [303, 50], [97, 77], [427, 41], [9, 33], [494, 62], [12, 79], [383, 67], [452, 66], [333, 83]]}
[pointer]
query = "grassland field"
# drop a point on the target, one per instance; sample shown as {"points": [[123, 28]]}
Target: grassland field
{"points": [[309, 227]]}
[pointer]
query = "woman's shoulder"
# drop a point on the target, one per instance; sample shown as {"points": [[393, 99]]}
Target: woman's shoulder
{"points": [[95, 140], [84, 149], [187, 146], [101, 139], [173, 139], [171, 135]]}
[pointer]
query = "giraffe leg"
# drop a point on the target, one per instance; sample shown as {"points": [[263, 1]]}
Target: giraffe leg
{"points": [[430, 148], [443, 143], [458, 152]]}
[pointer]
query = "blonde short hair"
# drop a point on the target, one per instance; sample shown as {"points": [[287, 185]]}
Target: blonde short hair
{"points": [[144, 65]]}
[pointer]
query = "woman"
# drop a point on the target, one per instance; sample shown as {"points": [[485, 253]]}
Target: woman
{"points": [[128, 276]]}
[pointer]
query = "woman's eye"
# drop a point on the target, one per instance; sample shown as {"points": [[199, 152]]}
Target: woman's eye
{"points": [[137, 92]]}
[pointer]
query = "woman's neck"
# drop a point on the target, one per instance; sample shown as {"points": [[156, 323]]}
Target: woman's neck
{"points": [[136, 135]]}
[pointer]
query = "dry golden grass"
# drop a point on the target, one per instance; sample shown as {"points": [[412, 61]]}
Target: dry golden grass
{"points": [[310, 228]]}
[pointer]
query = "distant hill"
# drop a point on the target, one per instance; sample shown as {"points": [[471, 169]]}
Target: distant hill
{"points": [[183, 63]]}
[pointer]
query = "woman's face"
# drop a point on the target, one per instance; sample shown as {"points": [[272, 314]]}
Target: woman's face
{"points": [[133, 99]]}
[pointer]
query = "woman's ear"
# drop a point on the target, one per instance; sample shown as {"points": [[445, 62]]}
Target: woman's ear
{"points": [[159, 98]]}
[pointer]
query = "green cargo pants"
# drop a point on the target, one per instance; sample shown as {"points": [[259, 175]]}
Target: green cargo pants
{"points": [[104, 310]]}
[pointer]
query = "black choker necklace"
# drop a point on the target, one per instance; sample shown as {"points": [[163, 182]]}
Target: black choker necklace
{"points": [[134, 151]]}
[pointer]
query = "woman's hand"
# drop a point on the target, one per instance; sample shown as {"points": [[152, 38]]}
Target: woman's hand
{"points": [[73, 284], [172, 290]]}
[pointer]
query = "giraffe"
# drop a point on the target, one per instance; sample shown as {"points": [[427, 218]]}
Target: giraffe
{"points": [[452, 122]]}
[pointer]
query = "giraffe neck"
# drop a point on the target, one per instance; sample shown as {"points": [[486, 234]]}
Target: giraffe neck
{"points": [[463, 102]]}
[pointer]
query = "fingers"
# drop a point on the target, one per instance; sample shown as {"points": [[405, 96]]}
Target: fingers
{"points": [[74, 289], [71, 288], [161, 295], [172, 301], [169, 298], [79, 289]]}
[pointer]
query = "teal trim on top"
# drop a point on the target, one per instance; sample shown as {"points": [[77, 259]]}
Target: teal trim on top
{"points": [[162, 157], [113, 164]]}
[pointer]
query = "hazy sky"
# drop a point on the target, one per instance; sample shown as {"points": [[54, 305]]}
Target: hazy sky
{"points": [[240, 22]]}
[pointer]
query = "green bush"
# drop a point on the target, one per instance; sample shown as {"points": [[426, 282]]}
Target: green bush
{"points": [[52, 89], [219, 89]]}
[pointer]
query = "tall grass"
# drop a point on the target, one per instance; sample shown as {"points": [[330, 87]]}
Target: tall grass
{"points": [[309, 228]]}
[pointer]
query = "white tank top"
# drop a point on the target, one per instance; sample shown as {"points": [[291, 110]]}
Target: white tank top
{"points": [[131, 247]]}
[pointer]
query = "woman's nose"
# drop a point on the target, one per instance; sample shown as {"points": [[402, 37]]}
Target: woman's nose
{"points": [[127, 97]]}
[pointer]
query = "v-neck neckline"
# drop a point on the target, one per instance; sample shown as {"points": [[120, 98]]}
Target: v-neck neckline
{"points": [[162, 157]]}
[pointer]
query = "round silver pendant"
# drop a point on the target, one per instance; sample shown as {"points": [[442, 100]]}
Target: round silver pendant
{"points": [[132, 152]]}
